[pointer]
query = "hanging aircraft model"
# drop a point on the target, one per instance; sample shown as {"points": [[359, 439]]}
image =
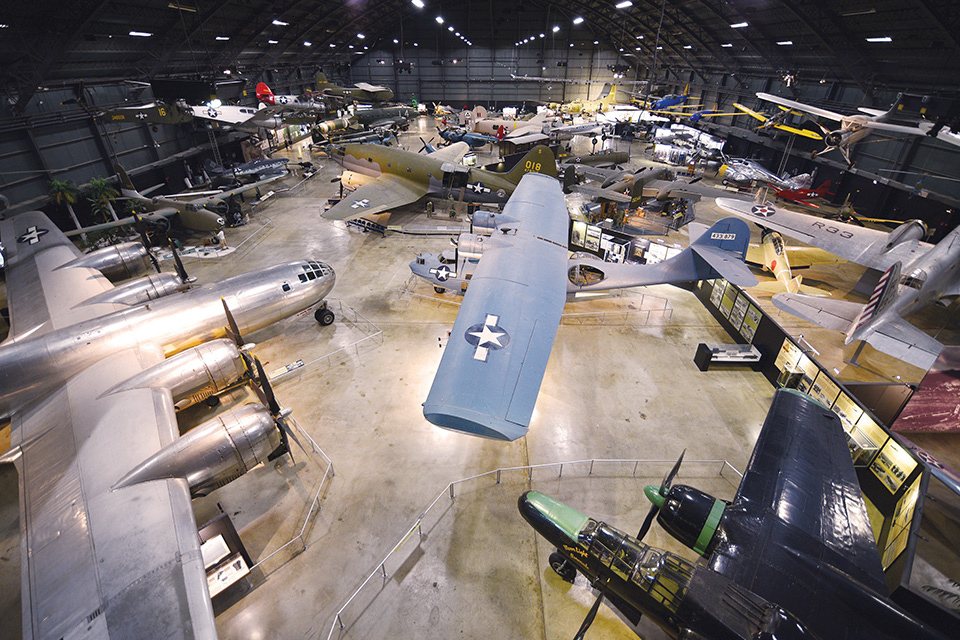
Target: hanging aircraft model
{"points": [[262, 167], [387, 178], [791, 557], [91, 378], [491, 369], [151, 113], [853, 128], [307, 102], [745, 172], [915, 274], [776, 121], [248, 119], [360, 92]]}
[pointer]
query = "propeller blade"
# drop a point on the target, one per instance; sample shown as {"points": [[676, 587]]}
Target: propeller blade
{"points": [[589, 619], [178, 263], [232, 329], [668, 480], [648, 521], [270, 399]]}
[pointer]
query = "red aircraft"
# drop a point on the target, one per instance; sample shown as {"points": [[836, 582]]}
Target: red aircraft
{"points": [[803, 196]]}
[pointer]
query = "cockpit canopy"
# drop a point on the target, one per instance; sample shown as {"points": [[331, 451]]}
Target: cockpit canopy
{"points": [[313, 270], [584, 274], [915, 279]]}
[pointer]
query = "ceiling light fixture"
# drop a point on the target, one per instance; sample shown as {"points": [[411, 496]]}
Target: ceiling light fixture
{"points": [[686, 46], [140, 34], [395, 41], [361, 36], [280, 23], [450, 28], [880, 39], [624, 5], [439, 19], [333, 46], [277, 42], [307, 43], [556, 28], [785, 43], [578, 20], [417, 3], [222, 38], [726, 45], [739, 25]]}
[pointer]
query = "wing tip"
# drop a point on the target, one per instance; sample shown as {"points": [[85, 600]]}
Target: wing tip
{"points": [[473, 423]]}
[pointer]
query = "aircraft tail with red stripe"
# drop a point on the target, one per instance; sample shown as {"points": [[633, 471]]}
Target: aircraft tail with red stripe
{"points": [[823, 190], [264, 94], [883, 295]]}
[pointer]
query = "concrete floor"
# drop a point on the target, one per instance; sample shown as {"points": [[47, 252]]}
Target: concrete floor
{"points": [[618, 386]]}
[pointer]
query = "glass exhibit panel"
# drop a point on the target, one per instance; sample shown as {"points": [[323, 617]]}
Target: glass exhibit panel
{"points": [[902, 519], [717, 294], [726, 303], [810, 371], [579, 233], [656, 253], [789, 355], [751, 321], [739, 310], [848, 410], [893, 465], [824, 389], [592, 242]]}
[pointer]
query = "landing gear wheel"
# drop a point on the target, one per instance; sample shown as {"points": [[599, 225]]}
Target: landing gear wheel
{"points": [[562, 567], [324, 316], [212, 401], [724, 182], [439, 289]]}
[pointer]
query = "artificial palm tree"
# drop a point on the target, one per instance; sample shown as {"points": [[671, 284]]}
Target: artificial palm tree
{"points": [[100, 193], [65, 194]]}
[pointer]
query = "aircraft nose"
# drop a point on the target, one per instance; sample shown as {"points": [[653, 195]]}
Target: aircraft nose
{"points": [[551, 518], [722, 170]]}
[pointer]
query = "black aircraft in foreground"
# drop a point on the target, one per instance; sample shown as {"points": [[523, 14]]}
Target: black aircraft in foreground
{"points": [[791, 557]]}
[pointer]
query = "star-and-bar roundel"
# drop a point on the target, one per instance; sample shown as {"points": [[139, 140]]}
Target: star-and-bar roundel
{"points": [[763, 210], [33, 235], [487, 336]]}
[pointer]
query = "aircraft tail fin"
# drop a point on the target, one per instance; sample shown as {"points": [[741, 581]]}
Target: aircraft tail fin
{"points": [[569, 178], [720, 251], [883, 295], [540, 159], [127, 190], [322, 82], [824, 189], [211, 168], [263, 93]]}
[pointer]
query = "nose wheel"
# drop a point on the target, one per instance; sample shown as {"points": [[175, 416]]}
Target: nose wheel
{"points": [[324, 316], [439, 289], [562, 567]]}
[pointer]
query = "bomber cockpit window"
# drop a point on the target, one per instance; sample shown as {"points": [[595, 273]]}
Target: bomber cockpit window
{"points": [[915, 279], [583, 274]]}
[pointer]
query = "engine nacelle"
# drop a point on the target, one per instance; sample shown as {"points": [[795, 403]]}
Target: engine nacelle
{"points": [[910, 231], [193, 375], [692, 517], [214, 453], [119, 262], [836, 138], [140, 290], [334, 125], [470, 246]]}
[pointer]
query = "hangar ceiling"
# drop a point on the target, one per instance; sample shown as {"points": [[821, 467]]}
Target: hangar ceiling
{"points": [[47, 42]]}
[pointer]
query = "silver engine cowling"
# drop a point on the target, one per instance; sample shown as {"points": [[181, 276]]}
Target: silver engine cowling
{"points": [[119, 262], [909, 231], [470, 246], [193, 375], [139, 291], [214, 453], [484, 222]]}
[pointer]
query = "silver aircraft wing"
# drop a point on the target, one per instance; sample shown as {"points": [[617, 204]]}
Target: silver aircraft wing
{"points": [[99, 563], [599, 192], [452, 153], [490, 372], [864, 246], [383, 194], [44, 294], [799, 106]]}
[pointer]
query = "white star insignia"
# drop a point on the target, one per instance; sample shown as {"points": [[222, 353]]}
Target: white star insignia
{"points": [[488, 336], [360, 204]]}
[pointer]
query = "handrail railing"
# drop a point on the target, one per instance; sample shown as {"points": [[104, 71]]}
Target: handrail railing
{"points": [[417, 526]]}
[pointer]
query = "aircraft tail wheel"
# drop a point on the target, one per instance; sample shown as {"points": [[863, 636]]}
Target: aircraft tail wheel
{"points": [[324, 316], [562, 568], [724, 182], [439, 289]]}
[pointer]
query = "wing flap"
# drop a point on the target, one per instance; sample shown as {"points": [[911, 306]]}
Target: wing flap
{"points": [[836, 315], [451, 153], [383, 194], [728, 265], [799, 106], [901, 339]]}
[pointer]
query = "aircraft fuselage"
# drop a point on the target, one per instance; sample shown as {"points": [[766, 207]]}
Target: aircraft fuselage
{"points": [[29, 366]]}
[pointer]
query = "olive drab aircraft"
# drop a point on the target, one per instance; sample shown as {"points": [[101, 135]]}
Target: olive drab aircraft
{"points": [[914, 275], [793, 556], [516, 274], [360, 92], [387, 177], [152, 113], [306, 102], [92, 375]]}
